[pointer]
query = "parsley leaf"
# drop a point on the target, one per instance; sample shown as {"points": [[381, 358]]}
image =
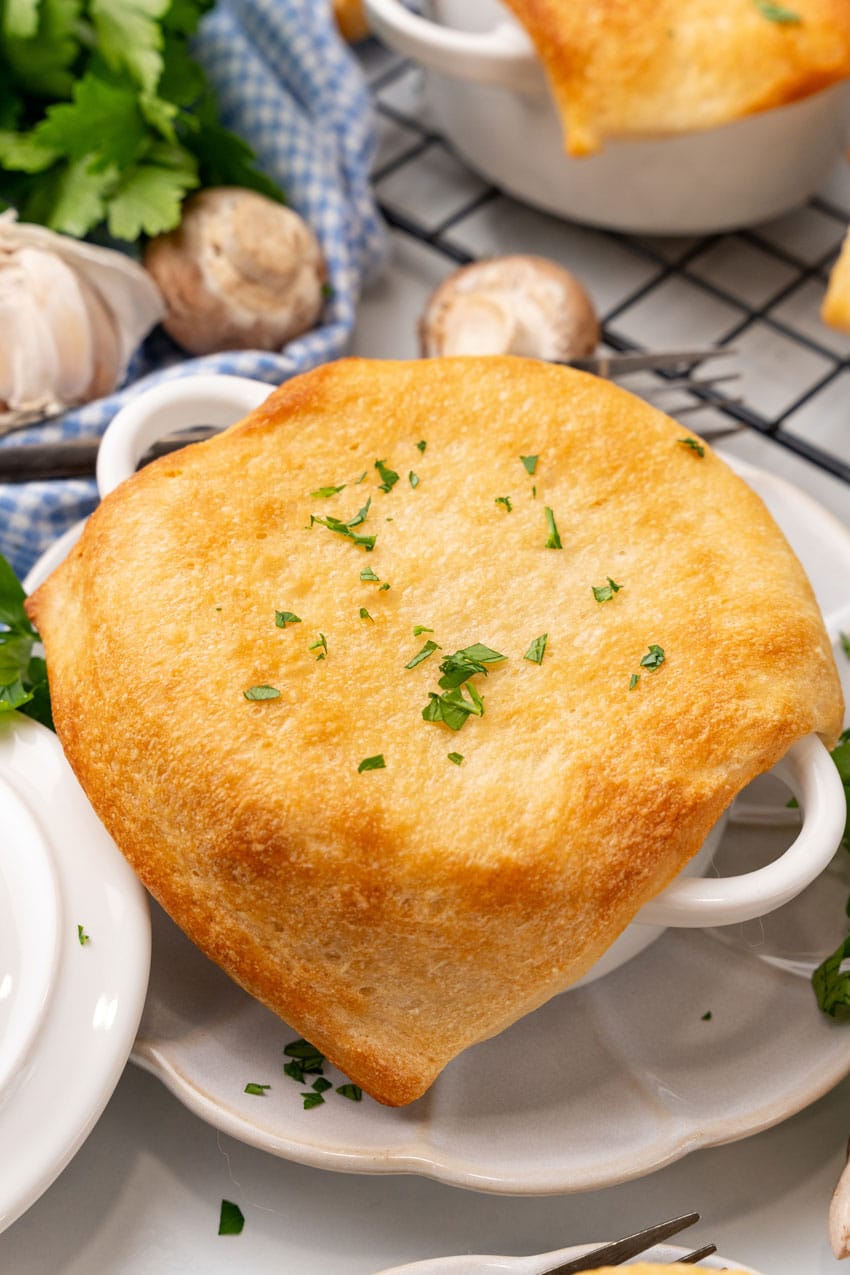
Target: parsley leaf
{"points": [[258, 1090], [530, 463], [422, 445], [506, 501], [413, 479], [777, 12], [231, 1219], [693, 444], [844, 639], [605, 592], [553, 540], [354, 1092], [453, 708], [282, 618], [305, 1057], [320, 645], [457, 758], [82, 937], [325, 492], [428, 649], [389, 477], [261, 693], [654, 658], [23, 676], [368, 574], [345, 528], [321, 1085], [464, 664], [421, 628], [537, 649], [312, 1099], [364, 615], [831, 980], [372, 763], [633, 681]]}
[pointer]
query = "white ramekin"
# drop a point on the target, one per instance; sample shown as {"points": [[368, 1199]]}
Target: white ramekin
{"points": [[490, 98]]}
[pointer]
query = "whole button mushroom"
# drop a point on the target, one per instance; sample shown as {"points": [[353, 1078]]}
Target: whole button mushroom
{"points": [[239, 272], [521, 305]]}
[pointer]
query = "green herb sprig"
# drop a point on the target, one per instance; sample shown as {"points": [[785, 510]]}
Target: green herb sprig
{"points": [[460, 699], [106, 118], [23, 676], [831, 979], [347, 528]]}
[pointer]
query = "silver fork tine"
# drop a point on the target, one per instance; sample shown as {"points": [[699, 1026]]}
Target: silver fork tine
{"points": [[621, 1250], [618, 364], [691, 1259]]}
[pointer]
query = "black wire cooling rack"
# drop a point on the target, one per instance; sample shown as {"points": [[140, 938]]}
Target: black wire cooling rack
{"points": [[757, 291]]}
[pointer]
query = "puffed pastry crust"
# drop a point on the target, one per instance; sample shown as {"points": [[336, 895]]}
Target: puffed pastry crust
{"points": [[396, 916], [632, 68]]}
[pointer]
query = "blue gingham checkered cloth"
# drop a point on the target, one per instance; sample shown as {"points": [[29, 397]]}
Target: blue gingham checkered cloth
{"points": [[287, 84]]}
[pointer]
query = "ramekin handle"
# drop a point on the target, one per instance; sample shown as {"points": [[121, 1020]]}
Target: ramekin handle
{"points": [[503, 56], [193, 400], [813, 778]]}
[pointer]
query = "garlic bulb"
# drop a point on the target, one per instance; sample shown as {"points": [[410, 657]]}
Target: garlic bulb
{"points": [[71, 316]]}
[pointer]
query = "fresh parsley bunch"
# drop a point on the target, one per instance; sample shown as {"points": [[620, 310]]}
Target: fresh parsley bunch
{"points": [[23, 676], [105, 117]]}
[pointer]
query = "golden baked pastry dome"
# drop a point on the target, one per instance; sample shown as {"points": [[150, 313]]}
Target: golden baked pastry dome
{"points": [[631, 68], [260, 647]]}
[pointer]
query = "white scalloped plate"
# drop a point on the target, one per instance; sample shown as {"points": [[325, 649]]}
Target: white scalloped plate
{"points": [[68, 1009], [602, 1084]]}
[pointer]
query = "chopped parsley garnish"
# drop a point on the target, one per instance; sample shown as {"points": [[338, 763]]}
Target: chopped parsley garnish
{"points": [[413, 479], [354, 1092], [359, 480], [693, 444], [231, 1219], [82, 937], [345, 528], [707, 1016], [321, 1085], [530, 463], [282, 618], [422, 445], [261, 692], [428, 649], [460, 701], [553, 540], [633, 681], [421, 628], [844, 639], [372, 763], [320, 645], [305, 1058], [654, 657], [324, 492], [389, 477], [258, 1090], [506, 501], [453, 708], [312, 1099], [364, 615], [368, 574], [382, 588], [605, 592], [464, 664], [457, 758], [23, 676], [777, 12], [537, 649]]}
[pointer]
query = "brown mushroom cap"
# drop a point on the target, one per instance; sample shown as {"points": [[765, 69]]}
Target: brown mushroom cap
{"points": [[240, 272], [523, 305]]}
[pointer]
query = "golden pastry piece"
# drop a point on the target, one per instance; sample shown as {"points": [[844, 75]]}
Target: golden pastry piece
{"points": [[835, 310], [632, 68], [637, 642], [351, 19]]}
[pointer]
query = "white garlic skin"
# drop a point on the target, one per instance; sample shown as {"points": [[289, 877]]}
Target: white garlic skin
{"points": [[239, 272], [71, 315]]}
